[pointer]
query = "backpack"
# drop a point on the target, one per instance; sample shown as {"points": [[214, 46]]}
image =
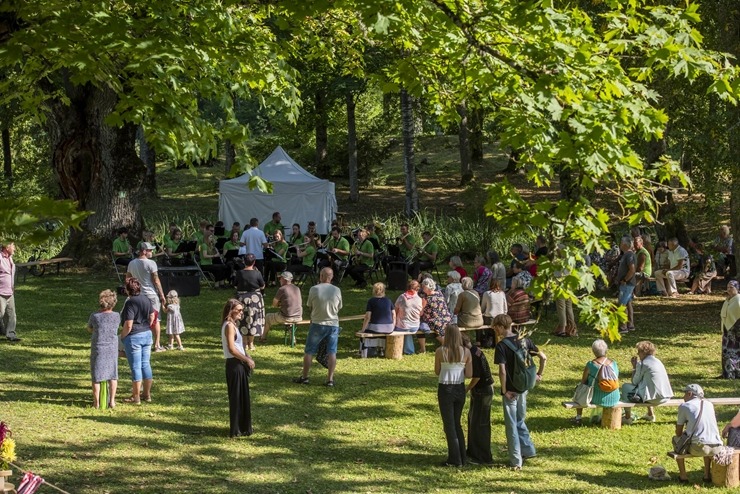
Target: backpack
{"points": [[608, 381], [524, 376]]}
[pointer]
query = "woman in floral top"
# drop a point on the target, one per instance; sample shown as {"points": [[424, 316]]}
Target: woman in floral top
{"points": [[481, 275], [435, 314]]}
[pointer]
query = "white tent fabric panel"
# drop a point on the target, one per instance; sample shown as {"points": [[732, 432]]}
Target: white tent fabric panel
{"points": [[299, 196]]}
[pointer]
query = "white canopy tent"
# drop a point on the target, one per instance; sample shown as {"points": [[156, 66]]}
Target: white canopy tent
{"points": [[299, 196]]}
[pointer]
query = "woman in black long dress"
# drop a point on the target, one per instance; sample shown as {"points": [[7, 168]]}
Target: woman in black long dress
{"points": [[239, 366]]}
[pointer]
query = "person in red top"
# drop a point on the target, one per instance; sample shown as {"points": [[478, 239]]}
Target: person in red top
{"points": [[7, 291]]}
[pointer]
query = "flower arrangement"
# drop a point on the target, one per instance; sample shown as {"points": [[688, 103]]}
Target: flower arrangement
{"points": [[7, 446]]}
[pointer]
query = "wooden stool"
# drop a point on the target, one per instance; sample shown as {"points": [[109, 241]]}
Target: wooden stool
{"points": [[727, 475], [394, 345], [611, 418], [6, 487]]}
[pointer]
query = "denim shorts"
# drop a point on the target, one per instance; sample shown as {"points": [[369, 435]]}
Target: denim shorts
{"points": [[317, 333], [625, 294]]}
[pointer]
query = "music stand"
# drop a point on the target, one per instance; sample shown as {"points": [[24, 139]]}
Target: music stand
{"points": [[231, 254], [393, 250], [219, 231], [220, 244], [186, 246]]}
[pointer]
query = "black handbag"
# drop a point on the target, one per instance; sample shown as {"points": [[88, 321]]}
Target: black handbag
{"points": [[682, 443]]}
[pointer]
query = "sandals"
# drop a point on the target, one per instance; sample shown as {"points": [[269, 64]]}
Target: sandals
{"points": [[131, 400], [147, 398]]}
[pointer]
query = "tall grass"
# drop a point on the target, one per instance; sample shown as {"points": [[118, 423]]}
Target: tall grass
{"points": [[455, 235]]}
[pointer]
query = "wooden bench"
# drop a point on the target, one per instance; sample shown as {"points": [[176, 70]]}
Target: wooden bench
{"points": [[611, 418], [722, 475], [25, 267], [393, 355], [292, 327]]}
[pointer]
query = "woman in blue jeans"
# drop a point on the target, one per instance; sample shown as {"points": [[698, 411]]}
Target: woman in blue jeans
{"points": [[138, 317], [452, 363]]}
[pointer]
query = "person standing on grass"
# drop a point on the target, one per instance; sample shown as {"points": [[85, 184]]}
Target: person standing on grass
{"points": [[324, 301], [518, 442], [7, 291], [480, 388], [104, 347], [254, 241], [138, 318], [239, 366], [626, 280], [145, 270], [452, 363]]}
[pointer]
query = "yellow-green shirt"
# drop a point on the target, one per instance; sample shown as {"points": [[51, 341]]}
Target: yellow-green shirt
{"points": [[121, 246], [366, 247], [431, 248], [341, 244], [404, 251], [271, 227], [310, 256]]}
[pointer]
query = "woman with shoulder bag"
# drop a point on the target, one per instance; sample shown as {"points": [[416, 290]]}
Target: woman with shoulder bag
{"points": [[592, 374]]}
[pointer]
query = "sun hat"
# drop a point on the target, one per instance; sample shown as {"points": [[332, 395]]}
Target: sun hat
{"points": [[695, 390]]}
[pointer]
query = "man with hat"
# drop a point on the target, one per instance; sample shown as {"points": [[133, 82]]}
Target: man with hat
{"points": [[145, 270], [697, 415], [288, 299]]}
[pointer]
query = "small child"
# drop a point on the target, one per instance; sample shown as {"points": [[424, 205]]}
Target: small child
{"points": [[175, 326]]}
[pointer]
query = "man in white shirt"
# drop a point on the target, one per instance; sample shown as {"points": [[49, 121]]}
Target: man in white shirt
{"points": [[697, 414], [145, 270], [679, 270], [324, 300], [254, 241]]}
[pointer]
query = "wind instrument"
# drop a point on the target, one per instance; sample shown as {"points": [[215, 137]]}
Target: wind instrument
{"points": [[417, 250]]}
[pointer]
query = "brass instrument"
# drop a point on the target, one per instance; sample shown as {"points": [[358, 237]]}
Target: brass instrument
{"points": [[401, 239], [418, 250]]}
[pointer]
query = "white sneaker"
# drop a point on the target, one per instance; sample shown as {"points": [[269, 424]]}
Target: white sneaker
{"points": [[181, 348]]}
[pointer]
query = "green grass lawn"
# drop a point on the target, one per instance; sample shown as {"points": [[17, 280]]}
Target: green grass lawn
{"points": [[378, 431]]}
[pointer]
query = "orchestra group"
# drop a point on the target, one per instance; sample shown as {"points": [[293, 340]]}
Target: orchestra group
{"points": [[349, 252]]}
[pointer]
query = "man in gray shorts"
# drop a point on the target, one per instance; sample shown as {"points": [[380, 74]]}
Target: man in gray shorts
{"points": [[145, 270], [288, 299], [324, 300]]}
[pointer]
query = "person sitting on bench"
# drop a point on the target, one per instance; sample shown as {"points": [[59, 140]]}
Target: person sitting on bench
{"points": [[650, 383], [697, 415]]}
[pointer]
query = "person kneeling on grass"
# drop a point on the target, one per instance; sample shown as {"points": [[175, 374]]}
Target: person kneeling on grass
{"points": [[697, 415], [650, 383]]}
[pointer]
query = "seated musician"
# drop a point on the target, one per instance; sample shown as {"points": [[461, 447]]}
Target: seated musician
{"points": [[148, 236], [203, 226], [306, 254], [405, 243], [236, 227], [232, 244], [273, 225], [338, 249], [426, 258], [276, 264], [311, 231], [363, 258], [170, 246], [168, 236], [372, 236], [208, 254], [122, 251]]}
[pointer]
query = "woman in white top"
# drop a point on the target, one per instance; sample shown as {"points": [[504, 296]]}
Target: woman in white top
{"points": [[408, 315], [239, 366], [452, 363]]}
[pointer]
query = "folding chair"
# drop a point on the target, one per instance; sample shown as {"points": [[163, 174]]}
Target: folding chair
{"points": [[116, 268]]}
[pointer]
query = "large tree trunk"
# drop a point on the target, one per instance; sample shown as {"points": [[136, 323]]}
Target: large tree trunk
{"points": [[354, 191], [149, 157], [673, 226], [514, 156], [230, 158], [407, 124], [475, 123], [466, 170], [7, 161], [97, 166], [735, 219], [322, 136]]}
